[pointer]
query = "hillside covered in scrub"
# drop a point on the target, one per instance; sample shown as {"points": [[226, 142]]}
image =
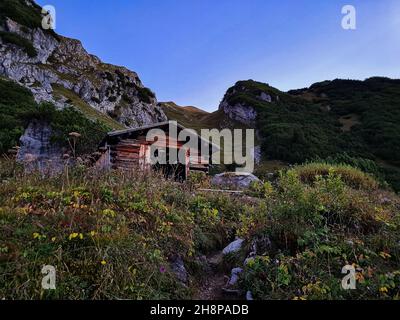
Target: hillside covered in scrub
{"points": [[325, 196], [342, 121], [133, 236]]}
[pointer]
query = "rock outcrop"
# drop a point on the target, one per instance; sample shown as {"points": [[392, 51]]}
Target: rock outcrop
{"points": [[233, 247], [37, 152], [240, 112], [241, 101], [60, 65], [234, 180]]}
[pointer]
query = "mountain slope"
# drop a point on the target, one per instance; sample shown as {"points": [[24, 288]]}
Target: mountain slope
{"points": [[358, 119], [197, 119], [54, 68], [44, 129]]}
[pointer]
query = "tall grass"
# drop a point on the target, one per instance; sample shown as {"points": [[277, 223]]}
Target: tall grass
{"points": [[113, 235]]}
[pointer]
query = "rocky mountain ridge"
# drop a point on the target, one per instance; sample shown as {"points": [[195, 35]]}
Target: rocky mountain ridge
{"points": [[48, 65]]}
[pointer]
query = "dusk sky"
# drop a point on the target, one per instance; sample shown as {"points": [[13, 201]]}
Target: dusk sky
{"points": [[192, 51]]}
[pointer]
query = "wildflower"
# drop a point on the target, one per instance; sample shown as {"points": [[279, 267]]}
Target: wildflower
{"points": [[81, 236], [36, 235], [385, 255], [109, 212], [92, 233], [383, 290], [73, 236], [299, 298], [162, 269], [250, 262], [53, 239], [103, 262]]}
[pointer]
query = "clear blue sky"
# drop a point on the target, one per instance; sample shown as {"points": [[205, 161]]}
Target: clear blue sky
{"points": [[192, 51]]}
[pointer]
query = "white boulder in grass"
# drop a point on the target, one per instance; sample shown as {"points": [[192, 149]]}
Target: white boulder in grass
{"points": [[249, 296], [234, 246], [237, 180], [235, 276]]}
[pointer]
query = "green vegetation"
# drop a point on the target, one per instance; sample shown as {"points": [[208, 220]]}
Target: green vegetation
{"points": [[28, 16], [376, 102], [86, 109], [14, 102], [18, 11], [66, 121], [145, 94], [318, 225], [113, 235], [110, 235], [18, 108], [16, 39], [353, 178], [357, 118]]}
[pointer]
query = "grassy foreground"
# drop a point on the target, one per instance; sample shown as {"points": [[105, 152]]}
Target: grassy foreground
{"points": [[113, 235]]}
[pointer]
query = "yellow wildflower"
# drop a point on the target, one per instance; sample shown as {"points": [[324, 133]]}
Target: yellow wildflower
{"points": [[385, 255], [73, 235], [36, 235], [383, 290], [109, 212], [103, 262]]}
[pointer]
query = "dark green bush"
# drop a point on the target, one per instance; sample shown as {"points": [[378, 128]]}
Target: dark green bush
{"points": [[315, 230], [145, 94], [21, 42], [18, 11], [14, 102], [66, 121]]}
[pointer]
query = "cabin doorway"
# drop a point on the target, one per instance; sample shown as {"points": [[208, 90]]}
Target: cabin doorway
{"points": [[171, 170]]}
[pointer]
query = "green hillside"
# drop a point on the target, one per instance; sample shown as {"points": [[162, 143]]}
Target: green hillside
{"points": [[340, 119]]}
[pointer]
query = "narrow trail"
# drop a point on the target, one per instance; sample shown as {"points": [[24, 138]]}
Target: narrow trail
{"points": [[215, 281]]}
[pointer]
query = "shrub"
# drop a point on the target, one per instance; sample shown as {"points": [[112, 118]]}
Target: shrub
{"points": [[352, 177], [66, 121], [319, 220], [145, 94], [18, 11], [113, 234], [14, 102], [114, 248]]}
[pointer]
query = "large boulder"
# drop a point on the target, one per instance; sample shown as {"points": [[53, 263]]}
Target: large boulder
{"points": [[235, 180], [235, 273], [178, 268], [37, 152], [233, 247]]}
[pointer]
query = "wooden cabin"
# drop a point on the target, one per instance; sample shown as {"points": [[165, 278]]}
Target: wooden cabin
{"points": [[131, 149]]}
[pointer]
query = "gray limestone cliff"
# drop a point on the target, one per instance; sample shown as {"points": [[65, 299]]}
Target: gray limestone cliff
{"points": [[241, 101], [59, 70]]}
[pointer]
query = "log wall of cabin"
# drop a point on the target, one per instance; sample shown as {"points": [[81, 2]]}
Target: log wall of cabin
{"points": [[132, 154]]}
